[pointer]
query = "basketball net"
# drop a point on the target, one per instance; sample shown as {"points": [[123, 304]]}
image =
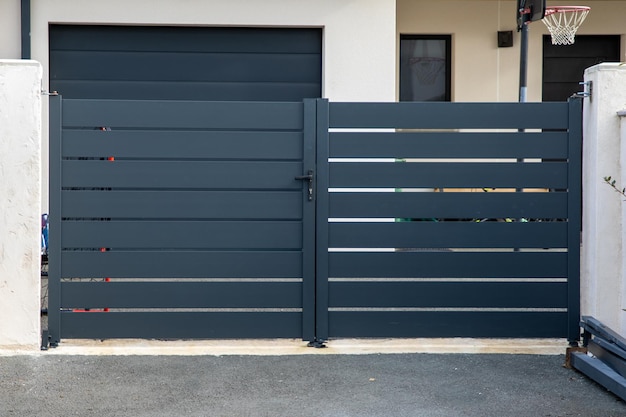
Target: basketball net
{"points": [[563, 22]]}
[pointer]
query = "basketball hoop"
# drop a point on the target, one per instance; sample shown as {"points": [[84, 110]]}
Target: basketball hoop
{"points": [[564, 21]]}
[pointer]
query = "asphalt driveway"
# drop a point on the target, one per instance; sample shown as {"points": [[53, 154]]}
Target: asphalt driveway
{"points": [[300, 385]]}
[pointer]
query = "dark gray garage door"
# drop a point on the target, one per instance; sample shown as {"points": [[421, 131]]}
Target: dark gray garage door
{"points": [[564, 65], [185, 63]]}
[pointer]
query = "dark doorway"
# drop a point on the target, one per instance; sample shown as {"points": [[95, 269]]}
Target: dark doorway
{"points": [[563, 66]]}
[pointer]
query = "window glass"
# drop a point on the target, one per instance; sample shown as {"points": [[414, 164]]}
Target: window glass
{"points": [[424, 68]]}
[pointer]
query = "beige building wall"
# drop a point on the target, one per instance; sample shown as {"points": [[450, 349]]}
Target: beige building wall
{"points": [[480, 70]]}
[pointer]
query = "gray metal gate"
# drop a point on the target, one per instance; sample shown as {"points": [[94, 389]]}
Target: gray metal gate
{"points": [[198, 219], [179, 220], [413, 253]]}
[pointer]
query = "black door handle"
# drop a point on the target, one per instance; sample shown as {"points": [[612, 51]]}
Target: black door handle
{"points": [[309, 178]]}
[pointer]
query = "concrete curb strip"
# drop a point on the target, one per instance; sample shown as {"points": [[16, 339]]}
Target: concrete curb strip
{"points": [[279, 347]]}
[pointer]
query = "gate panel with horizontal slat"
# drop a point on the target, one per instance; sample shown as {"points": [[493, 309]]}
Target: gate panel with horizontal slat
{"points": [[458, 263], [185, 204], [455, 294], [442, 323], [458, 205], [447, 174], [180, 220], [182, 174], [226, 324], [449, 234], [451, 220], [181, 235], [434, 144], [182, 115], [188, 263], [442, 115], [204, 294]]}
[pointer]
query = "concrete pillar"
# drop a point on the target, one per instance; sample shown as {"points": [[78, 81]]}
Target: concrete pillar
{"points": [[20, 203], [602, 263]]}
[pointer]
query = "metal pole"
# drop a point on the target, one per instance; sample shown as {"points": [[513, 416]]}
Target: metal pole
{"points": [[523, 75], [25, 22], [523, 63]]}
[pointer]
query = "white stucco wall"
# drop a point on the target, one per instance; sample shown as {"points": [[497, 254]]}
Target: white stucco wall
{"points": [[20, 209], [602, 267]]}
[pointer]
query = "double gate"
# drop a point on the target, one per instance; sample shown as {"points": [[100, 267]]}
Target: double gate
{"points": [[314, 220]]}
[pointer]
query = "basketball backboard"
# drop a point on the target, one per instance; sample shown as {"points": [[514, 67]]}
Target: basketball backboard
{"points": [[530, 11]]}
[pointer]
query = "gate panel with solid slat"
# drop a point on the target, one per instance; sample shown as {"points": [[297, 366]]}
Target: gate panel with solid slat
{"points": [[190, 209]]}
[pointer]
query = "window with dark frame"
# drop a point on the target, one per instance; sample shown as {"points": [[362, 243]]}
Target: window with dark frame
{"points": [[425, 67]]}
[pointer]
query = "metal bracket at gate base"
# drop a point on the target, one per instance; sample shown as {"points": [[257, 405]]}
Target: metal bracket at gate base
{"points": [[316, 343], [309, 178]]}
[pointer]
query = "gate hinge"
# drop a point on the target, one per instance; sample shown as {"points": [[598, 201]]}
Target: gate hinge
{"points": [[49, 93], [587, 89]]}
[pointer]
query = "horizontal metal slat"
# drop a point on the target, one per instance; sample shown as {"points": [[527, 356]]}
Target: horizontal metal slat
{"points": [[248, 205], [183, 144], [448, 294], [551, 145], [182, 234], [172, 114], [426, 205], [182, 174], [448, 324], [432, 234], [447, 115], [442, 264], [181, 294], [180, 325], [448, 174], [179, 264]]}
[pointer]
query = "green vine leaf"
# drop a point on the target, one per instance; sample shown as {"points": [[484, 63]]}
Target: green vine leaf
{"points": [[611, 182]]}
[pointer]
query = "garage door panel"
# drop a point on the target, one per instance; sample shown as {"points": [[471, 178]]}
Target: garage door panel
{"points": [[174, 66], [563, 66], [185, 39]]}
